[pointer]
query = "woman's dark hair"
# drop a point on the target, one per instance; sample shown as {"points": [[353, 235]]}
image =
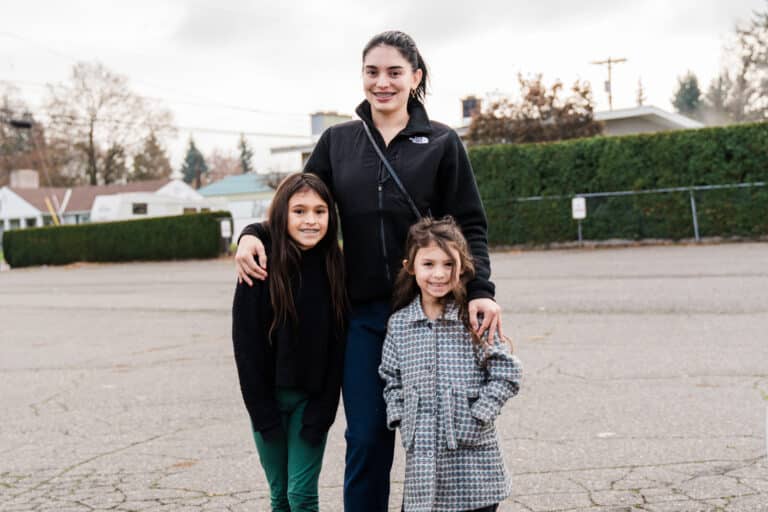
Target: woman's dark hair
{"points": [[447, 235], [285, 256], [407, 48]]}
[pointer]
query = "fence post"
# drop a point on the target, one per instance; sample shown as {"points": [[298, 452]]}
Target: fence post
{"points": [[581, 240], [695, 216]]}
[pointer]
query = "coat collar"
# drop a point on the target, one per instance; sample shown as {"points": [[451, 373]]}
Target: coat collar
{"points": [[418, 121], [415, 313]]}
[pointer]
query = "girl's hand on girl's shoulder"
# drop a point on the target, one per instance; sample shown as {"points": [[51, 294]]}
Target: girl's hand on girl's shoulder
{"points": [[490, 312]]}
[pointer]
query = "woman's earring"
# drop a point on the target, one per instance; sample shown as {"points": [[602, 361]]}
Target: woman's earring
{"points": [[413, 93]]}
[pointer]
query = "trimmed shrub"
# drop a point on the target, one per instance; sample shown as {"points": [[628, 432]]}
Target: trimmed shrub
{"points": [[708, 156], [158, 238]]}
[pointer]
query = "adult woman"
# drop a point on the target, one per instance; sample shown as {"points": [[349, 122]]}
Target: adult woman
{"points": [[375, 216]]}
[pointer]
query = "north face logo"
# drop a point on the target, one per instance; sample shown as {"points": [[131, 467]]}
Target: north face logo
{"points": [[419, 140]]}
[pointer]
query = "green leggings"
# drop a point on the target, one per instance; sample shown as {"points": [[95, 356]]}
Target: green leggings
{"points": [[292, 465]]}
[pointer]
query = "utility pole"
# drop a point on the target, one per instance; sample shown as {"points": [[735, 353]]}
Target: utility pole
{"points": [[640, 93], [610, 62]]}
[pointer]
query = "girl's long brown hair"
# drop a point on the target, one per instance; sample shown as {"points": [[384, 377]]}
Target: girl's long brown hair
{"points": [[285, 256], [446, 234]]}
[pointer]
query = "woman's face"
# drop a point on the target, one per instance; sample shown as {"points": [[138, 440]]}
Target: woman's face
{"points": [[388, 79]]}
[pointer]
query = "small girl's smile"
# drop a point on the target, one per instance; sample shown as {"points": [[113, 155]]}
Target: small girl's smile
{"points": [[435, 272]]}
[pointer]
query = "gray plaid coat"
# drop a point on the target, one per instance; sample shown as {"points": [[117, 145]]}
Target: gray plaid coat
{"points": [[444, 393]]}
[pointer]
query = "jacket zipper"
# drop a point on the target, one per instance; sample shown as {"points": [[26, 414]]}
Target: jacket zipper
{"points": [[381, 233]]}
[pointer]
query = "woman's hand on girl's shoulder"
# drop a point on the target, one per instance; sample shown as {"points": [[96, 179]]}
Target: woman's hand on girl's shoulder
{"points": [[491, 318], [246, 265]]}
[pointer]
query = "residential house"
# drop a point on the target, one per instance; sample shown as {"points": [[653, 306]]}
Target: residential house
{"points": [[643, 119], [629, 121], [246, 196], [24, 204], [294, 157]]}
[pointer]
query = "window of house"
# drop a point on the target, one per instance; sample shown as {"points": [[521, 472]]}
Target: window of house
{"points": [[15, 223], [190, 210], [205, 210], [47, 220], [30, 222], [139, 208]]}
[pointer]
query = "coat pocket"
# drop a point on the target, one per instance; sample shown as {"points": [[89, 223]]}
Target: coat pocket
{"points": [[408, 422], [468, 431]]}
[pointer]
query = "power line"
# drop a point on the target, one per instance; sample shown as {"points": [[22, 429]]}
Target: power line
{"points": [[79, 121], [204, 103], [213, 105]]}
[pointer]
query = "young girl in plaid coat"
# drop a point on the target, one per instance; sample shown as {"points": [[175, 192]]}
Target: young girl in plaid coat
{"points": [[444, 386]]}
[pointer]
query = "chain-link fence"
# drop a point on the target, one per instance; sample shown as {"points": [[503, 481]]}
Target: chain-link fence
{"points": [[739, 209]]}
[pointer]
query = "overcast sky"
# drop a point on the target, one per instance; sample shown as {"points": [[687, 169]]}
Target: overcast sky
{"points": [[262, 67]]}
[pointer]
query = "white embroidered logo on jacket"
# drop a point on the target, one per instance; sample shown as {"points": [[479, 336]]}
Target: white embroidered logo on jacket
{"points": [[419, 140]]}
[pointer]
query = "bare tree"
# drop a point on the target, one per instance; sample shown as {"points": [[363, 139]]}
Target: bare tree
{"points": [[222, 164], [97, 113], [740, 92], [23, 142], [540, 115], [274, 178]]}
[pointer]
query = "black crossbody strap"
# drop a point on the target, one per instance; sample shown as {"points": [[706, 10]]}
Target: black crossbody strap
{"points": [[392, 172]]}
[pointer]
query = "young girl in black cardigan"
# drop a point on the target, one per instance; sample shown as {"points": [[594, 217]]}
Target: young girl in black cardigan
{"points": [[288, 334]]}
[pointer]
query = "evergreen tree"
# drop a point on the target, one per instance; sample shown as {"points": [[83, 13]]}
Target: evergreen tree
{"points": [[246, 154], [113, 166], [687, 99], [717, 94], [152, 163], [194, 165]]}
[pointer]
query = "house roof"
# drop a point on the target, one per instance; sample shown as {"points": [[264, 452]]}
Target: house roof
{"points": [[301, 148], [249, 183], [81, 198], [662, 117]]}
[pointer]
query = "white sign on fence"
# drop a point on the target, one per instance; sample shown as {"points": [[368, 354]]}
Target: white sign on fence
{"points": [[579, 208], [226, 228]]}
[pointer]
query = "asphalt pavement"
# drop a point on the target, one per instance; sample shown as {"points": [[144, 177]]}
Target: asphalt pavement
{"points": [[645, 385]]}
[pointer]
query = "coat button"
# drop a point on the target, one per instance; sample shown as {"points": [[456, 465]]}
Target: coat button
{"points": [[430, 454]]}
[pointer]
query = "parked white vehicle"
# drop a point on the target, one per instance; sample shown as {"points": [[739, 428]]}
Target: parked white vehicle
{"points": [[141, 205]]}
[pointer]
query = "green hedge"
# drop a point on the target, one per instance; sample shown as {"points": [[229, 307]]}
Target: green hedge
{"points": [[159, 238], [709, 156]]}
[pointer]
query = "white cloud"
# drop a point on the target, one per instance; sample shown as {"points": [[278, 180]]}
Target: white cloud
{"points": [[296, 57]]}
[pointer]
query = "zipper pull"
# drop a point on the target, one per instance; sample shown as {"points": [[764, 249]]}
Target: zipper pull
{"points": [[379, 187]]}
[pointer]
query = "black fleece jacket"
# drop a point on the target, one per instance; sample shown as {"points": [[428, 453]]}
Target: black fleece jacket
{"points": [[309, 358], [432, 164]]}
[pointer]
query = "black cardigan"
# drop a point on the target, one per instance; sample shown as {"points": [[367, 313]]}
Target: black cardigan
{"points": [[311, 358], [433, 165]]}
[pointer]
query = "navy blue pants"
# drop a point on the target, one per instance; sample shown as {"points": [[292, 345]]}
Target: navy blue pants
{"points": [[370, 445]]}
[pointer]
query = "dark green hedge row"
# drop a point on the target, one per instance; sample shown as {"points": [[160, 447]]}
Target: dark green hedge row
{"points": [[159, 238], [709, 156]]}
